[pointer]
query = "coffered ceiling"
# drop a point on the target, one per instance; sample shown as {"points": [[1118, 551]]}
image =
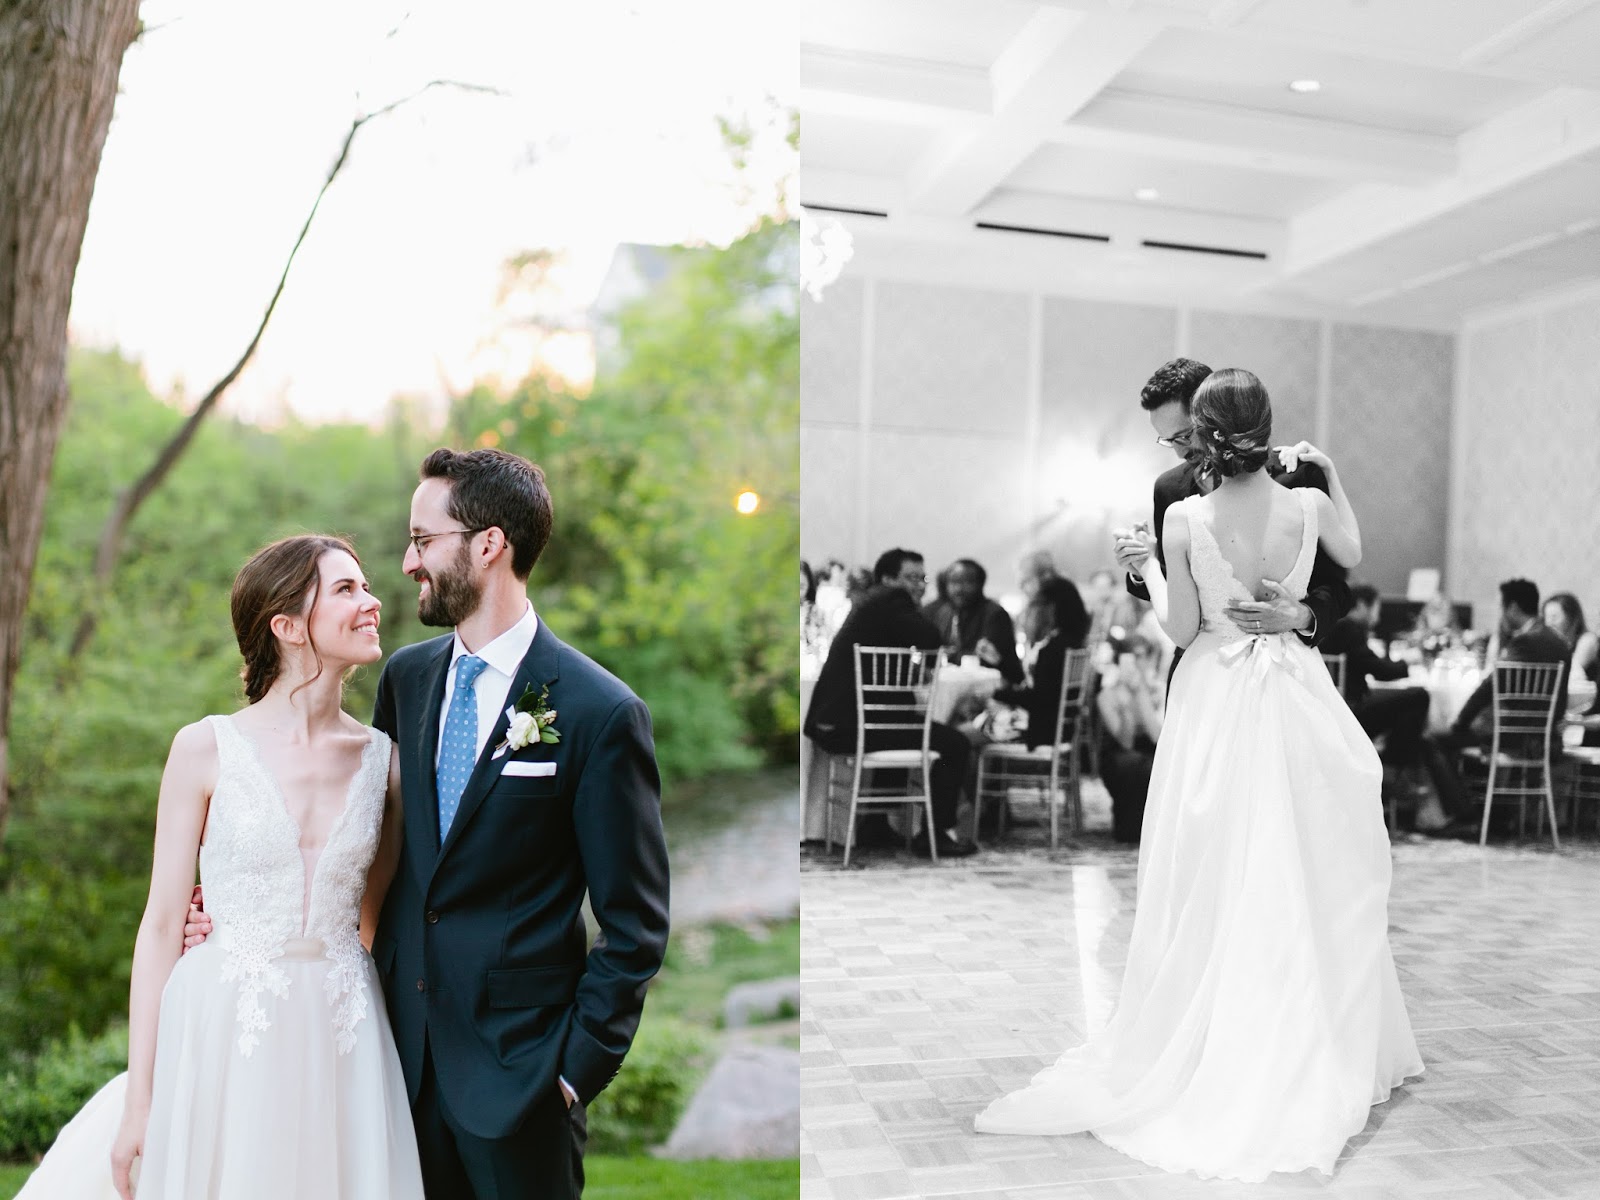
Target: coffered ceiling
{"points": [[1448, 159]]}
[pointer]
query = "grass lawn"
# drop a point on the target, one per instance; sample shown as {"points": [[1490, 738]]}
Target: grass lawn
{"points": [[630, 1179], [703, 962], [706, 1179]]}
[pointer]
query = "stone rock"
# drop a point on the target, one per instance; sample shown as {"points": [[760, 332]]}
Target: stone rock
{"points": [[765, 1000], [748, 1107]]}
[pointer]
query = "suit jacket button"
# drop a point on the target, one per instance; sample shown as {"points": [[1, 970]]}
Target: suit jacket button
{"points": [[422, 985], [432, 917]]}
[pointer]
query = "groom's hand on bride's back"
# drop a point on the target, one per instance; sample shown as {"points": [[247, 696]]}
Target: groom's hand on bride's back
{"points": [[198, 927]]}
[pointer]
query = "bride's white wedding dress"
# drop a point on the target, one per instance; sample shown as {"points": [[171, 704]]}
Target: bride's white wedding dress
{"points": [[275, 1075], [1260, 1015]]}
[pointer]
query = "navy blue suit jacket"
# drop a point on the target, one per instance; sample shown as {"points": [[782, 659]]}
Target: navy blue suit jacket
{"points": [[482, 946]]}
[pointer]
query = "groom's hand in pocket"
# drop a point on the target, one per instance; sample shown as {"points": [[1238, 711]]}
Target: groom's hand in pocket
{"points": [[198, 927]]}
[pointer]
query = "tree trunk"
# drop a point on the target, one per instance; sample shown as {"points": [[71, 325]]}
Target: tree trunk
{"points": [[59, 63]]}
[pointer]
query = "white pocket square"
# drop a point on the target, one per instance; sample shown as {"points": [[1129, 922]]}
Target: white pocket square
{"points": [[529, 768]]}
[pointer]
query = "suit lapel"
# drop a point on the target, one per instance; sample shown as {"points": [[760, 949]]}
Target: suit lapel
{"points": [[422, 801], [539, 667]]}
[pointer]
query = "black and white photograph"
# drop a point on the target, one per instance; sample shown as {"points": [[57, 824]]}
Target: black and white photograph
{"points": [[1200, 413]]}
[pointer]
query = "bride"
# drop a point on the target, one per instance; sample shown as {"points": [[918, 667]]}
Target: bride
{"points": [[1260, 1015], [260, 1064]]}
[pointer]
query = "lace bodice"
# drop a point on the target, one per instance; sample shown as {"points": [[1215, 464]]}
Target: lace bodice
{"points": [[255, 885], [1214, 578]]}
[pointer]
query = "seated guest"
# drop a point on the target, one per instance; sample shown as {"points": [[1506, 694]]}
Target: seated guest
{"points": [[1436, 627], [1523, 638], [813, 625], [1057, 622], [831, 602], [1401, 714], [1564, 614], [887, 616], [1112, 612], [1131, 702], [971, 623], [1034, 569]]}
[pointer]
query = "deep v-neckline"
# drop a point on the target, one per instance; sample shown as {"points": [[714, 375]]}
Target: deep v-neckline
{"points": [[1233, 577], [283, 806]]}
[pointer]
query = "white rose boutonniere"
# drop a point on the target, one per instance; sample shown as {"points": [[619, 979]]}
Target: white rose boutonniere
{"points": [[531, 720]]}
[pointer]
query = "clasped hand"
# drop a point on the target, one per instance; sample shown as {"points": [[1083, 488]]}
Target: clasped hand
{"points": [[1134, 547], [1277, 612]]}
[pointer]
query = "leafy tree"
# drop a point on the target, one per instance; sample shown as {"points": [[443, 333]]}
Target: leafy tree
{"points": [[651, 570]]}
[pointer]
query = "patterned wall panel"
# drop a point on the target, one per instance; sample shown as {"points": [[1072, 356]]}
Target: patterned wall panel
{"points": [[830, 506], [1280, 351], [950, 497], [949, 358], [1529, 416], [1096, 458], [1388, 431], [830, 353]]}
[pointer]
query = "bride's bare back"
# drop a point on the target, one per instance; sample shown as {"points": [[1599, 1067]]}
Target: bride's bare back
{"points": [[1258, 530]]}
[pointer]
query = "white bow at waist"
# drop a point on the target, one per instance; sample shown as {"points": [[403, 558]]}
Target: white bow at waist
{"points": [[1259, 653]]}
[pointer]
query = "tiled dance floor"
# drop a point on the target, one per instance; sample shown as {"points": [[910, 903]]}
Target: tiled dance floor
{"points": [[927, 991]]}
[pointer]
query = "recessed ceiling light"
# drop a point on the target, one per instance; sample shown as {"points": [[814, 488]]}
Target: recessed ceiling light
{"points": [[1305, 86], [1146, 194]]}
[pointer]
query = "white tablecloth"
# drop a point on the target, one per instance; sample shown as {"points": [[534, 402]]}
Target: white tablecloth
{"points": [[957, 685], [1448, 690]]}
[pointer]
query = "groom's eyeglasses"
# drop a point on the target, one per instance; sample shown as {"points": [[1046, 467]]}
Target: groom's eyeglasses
{"points": [[1181, 438], [419, 540]]}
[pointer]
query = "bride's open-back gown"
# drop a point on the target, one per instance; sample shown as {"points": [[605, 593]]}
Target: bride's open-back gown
{"points": [[1260, 1015], [276, 1075]]}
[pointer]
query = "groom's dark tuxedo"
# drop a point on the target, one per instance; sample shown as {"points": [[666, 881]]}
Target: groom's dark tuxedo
{"points": [[1327, 594], [493, 989]]}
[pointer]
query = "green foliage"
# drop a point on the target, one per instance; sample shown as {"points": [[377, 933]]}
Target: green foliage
{"points": [[651, 569], [642, 1104], [37, 1101], [704, 962]]}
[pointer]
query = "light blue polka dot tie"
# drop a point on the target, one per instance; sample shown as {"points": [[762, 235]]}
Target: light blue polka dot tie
{"points": [[459, 753]]}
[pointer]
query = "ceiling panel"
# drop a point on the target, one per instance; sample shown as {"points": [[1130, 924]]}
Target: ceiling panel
{"points": [[869, 147], [1424, 28], [1228, 68], [1115, 175], [946, 31]]}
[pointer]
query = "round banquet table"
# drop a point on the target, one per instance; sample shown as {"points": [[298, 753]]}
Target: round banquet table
{"points": [[1448, 688], [958, 688]]}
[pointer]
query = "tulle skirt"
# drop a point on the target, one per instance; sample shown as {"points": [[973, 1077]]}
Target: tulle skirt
{"points": [[1260, 1015], [294, 1118]]}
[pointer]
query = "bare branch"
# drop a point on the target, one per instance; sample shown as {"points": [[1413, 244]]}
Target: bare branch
{"points": [[129, 501]]}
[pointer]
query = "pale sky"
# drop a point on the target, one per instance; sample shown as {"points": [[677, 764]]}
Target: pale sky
{"points": [[231, 114]]}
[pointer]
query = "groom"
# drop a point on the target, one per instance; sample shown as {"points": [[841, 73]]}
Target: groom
{"points": [[1166, 397], [506, 1021]]}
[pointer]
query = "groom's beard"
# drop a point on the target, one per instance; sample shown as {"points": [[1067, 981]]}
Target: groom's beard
{"points": [[451, 596]]}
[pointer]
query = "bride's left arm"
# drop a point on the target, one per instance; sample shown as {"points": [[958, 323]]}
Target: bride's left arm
{"points": [[1173, 594], [387, 860]]}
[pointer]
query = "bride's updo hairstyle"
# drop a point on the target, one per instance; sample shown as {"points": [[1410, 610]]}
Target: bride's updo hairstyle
{"points": [[282, 579], [1232, 418]]}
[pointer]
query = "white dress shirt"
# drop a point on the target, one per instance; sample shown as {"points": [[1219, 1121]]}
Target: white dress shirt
{"points": [[493, 686]]}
